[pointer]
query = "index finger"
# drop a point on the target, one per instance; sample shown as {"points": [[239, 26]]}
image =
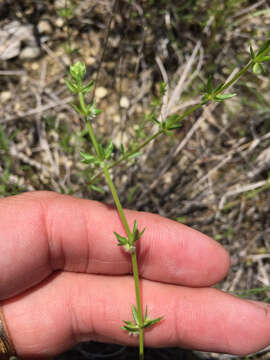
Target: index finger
{"points": [[43, 231]]}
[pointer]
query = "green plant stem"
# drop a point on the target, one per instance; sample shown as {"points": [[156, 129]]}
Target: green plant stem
{"points": [[236, 77], [139, 305], [190, 111], [127, 229], [133, 257], [117, 201], [89, 126], [93, 138]]}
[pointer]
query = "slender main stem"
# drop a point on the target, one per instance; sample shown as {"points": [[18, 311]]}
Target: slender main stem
{"points": [[127, 229], [138, 300], [133, 258], [117, 201]]}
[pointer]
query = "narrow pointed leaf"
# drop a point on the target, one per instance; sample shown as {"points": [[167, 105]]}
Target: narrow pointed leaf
{"points": [[124, 328], [135, 315], [129, 328], [109, 150], [141, 233], [101, 150], [168, 132], [132, 156], [175, 127], [87, 88], [138, 235], [256, 68], [130, 323], [265, 58], [209, 86], [146, 312], [135, 227], [252, 53], [78, 110], [121, 239], [150, 322], [264, 47], [218, 87], [152, 117], [97, 188], [65, 12], [222, 97], [87, 158], [122, 149], [162, 88], [172, 120], [156, 102], [95, 111], [72, 87], [205, 98]]}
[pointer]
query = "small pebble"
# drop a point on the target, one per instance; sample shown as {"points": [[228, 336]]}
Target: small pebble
{"points": [[90, 60], [101, 92], [30, 53], [59, 22], [5, 96], [44, 27], [116, 118], [60, 3], [124, 102], [35, 66]]}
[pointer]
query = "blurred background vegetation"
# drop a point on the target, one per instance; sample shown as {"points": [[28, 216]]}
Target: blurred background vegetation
{"points": [[213, 174]]}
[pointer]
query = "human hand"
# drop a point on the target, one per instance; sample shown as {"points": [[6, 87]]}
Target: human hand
{"points": [[63, 280]]}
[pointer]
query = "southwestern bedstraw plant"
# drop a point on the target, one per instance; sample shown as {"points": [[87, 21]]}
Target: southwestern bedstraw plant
{"points": [[102, 159]]}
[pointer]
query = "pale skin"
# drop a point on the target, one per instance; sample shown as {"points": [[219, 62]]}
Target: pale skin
{"points": [[63, 280]]}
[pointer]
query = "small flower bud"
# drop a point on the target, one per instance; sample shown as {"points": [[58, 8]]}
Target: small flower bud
{"points": [[130, 249], [133, 334]]}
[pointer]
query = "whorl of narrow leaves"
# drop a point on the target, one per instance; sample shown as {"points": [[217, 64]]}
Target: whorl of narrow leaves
{"points": [[133, 327], [129, 154], [89, 159], [90, 111], [75, 85], [104, 154], [166, 125], [214, 94], [129, 242], [260, 57], [171, 123]]}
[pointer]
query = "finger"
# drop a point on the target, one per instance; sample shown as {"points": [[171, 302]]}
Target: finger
{"points": [[79, 307], [42, 232]]}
